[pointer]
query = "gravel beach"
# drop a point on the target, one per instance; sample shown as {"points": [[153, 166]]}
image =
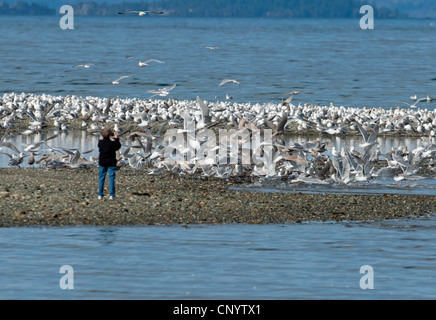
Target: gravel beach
{"points": [[68, 197]]}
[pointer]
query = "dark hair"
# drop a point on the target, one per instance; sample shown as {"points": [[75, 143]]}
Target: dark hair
{"points": [[106, 133]]}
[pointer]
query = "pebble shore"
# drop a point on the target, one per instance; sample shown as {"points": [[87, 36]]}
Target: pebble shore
{"points": [[68, 197]]}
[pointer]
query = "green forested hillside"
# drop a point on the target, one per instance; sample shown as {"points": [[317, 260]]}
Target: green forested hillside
{"points": [[210, 8]]}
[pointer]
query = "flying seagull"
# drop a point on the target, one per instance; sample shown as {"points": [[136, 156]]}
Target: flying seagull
{"points": [[163, 92], [14, 159], [9, 145], [142, 13], [414, 105], [117, 81], [295, 92], [370, 139], [211, 48], [144, 63], [228, 81]]}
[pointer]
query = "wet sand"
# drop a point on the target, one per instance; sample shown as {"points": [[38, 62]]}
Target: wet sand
{"points": [[68, 197]]}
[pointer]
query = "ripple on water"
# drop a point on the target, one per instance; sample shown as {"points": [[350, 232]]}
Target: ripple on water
{"points": [[298, 261]]}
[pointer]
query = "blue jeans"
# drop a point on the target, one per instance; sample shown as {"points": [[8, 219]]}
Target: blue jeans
{"points": [[102, 171]]}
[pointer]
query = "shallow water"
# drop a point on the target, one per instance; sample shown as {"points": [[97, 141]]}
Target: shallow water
{"points": [[421, 186], [297, 261]]}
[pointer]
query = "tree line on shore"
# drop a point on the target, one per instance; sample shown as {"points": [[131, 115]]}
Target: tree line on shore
{"points": [[24, 8], [216, 8]]}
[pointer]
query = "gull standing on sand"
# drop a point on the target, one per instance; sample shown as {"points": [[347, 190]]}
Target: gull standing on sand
{"points": [[31, 160], [144, 63], [116, 81]]}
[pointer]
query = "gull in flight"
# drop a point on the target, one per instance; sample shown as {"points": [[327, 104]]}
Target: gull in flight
{"points": [[211, 48], [228, 81], [280, 127], [428, 98], [84, 66], [15, 160], [163, 92], [9, 145], [205, 112], [116, 81], [142, 13], [370, 139], [144, 63], [295, 92], [413, 105], [291, 95]]}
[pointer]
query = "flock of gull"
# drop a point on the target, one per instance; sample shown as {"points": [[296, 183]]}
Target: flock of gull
{"points": [[315, 161]]}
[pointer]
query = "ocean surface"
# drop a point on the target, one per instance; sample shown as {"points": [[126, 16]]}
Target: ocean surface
{"points": [[296, 261], [333, 59]]}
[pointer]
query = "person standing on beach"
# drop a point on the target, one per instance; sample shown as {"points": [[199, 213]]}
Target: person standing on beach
{"points": [[107, 160]]}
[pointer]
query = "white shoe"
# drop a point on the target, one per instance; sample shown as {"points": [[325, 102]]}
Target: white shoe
{"points": [[111, 198], [100, 197]]}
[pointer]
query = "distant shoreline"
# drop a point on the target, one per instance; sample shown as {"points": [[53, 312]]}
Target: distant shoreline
{"points": [[225, 9], [204, 17], [56, 14]]}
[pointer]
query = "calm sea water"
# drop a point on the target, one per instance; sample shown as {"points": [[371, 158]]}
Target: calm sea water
{"points": [[334, 59], [304, 261]]}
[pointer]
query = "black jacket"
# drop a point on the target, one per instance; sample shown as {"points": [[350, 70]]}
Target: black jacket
{"points": [[108, 149]]}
